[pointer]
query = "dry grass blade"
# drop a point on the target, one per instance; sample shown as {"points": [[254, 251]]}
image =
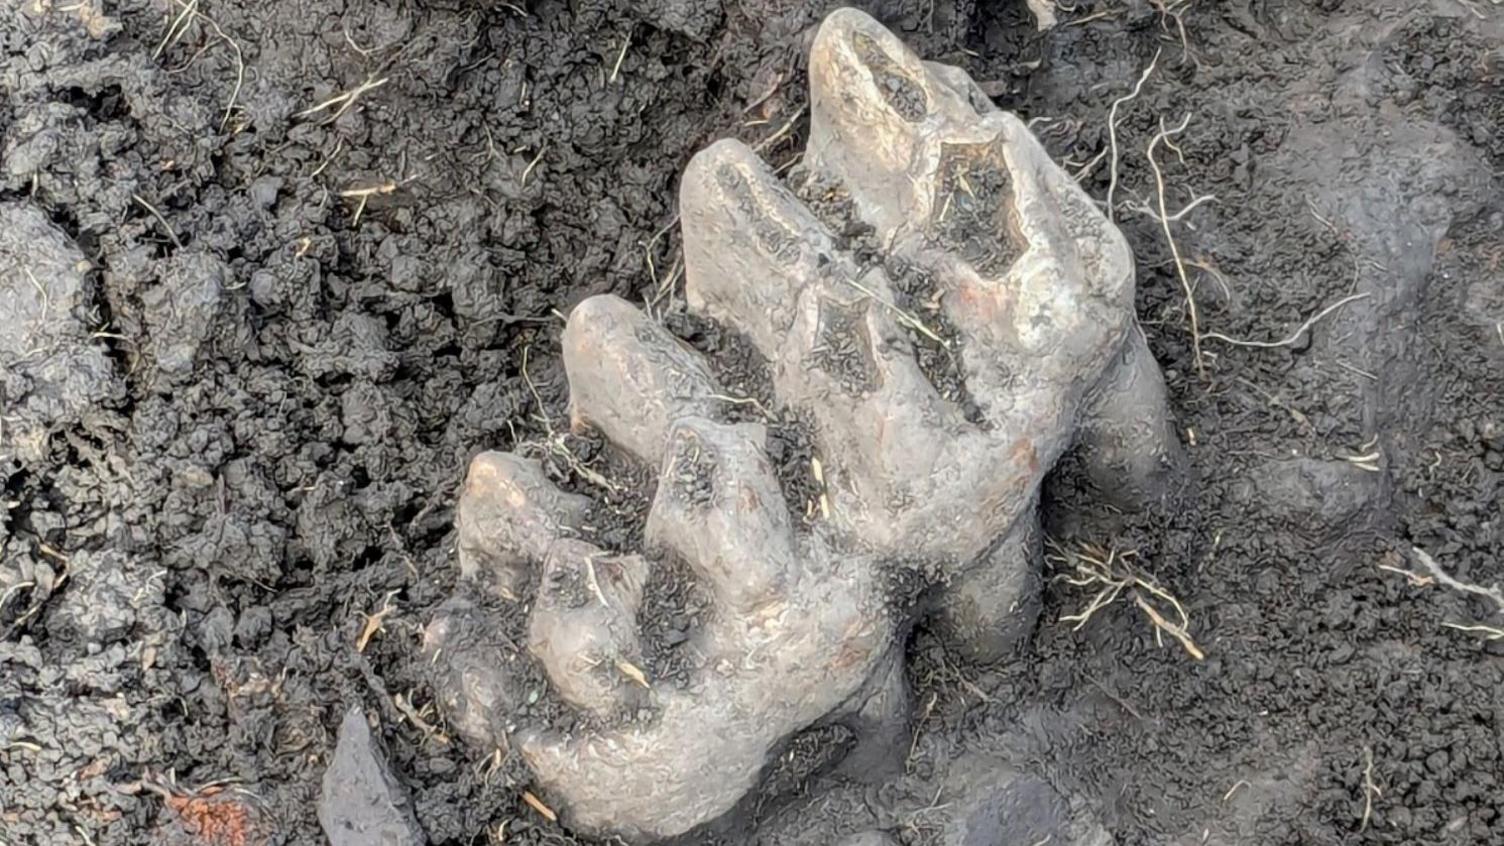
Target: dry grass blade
{"points": [[537, 804], [633, 672]]}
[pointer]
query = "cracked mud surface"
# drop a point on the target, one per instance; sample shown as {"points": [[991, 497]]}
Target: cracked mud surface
{"points": [[289, 396]]}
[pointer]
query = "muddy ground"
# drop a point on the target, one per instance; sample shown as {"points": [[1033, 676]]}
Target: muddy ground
{"points": [[296, 254]]}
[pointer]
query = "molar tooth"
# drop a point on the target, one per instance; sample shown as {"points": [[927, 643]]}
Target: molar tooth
{"points": [[584, 625]]}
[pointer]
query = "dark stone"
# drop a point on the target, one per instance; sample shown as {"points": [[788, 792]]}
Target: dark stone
{"points": [[361, 803]]}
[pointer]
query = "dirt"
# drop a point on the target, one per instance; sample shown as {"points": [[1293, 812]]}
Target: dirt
{"points": [[301, 250]]}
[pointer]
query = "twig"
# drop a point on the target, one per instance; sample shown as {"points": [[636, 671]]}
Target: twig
{"points": [[1185, 282], [1112, 131], [1294, 336]]}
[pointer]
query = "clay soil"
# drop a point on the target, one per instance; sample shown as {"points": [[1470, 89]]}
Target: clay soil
{"points": [[236, 533]]}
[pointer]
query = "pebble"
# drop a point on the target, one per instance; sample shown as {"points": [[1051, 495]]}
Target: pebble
{"points": [[361, 803]]}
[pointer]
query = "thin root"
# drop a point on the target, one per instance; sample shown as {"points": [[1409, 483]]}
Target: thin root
{"points": [[556, 444], [1370, 789], [1294, 336], [179, 27], [343, 102], [1488, 632], [1164, 137], [1112, 132], [1111, 573], [167, 227], [1492, 592]]}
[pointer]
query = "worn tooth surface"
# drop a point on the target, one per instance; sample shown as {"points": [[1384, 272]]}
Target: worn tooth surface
{"points": [[720, 509], [750, 246], [508, 515], [584, 625], [629, 378]]}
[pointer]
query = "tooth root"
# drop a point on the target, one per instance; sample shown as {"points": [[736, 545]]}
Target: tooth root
{"points": [[629, 377], [749, 245], [1127, 438], [987, 611]]}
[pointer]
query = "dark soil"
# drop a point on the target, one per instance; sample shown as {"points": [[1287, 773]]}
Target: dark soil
{"points": [[296, 317]]}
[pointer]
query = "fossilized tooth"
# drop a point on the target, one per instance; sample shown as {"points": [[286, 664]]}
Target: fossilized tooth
{"points": [[892, 447], [802, 632], [924, 153]]}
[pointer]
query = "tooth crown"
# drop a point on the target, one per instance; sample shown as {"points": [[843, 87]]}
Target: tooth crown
{"points": [[919, 489]]}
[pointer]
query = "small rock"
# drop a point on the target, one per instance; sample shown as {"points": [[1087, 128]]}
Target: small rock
{"points": [[181, 310], [991, 803], [361, 803], [1323, 497]]}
